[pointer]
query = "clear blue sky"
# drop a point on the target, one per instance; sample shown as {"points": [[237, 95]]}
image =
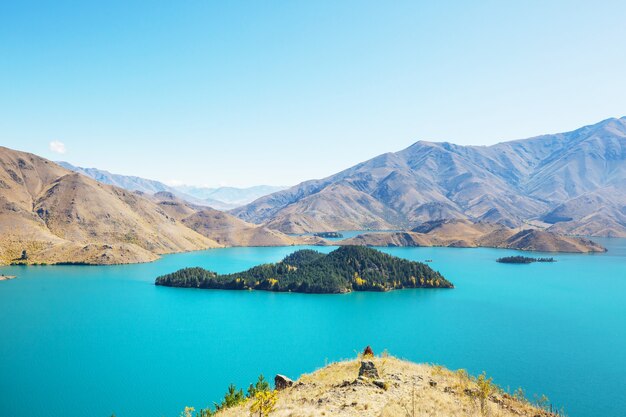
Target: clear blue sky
{"points": [[243, 93]]}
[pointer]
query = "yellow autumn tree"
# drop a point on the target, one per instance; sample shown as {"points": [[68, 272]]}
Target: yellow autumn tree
{"points": [[360, 282], [264, 403], [485, 389]]}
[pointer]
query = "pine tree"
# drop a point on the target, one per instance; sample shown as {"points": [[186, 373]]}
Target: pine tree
{"points": [[261, 385]]}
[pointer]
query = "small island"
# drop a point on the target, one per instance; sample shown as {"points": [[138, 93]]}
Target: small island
{"points": [[349, 268], [329, 235], [522, 260]]}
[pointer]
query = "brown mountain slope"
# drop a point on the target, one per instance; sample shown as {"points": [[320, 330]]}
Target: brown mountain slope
{"points": [[225, 228], [462, 233], [508, 183], [173, 205], [60, 216], [228, 230], [336, 207], [601, 212]]}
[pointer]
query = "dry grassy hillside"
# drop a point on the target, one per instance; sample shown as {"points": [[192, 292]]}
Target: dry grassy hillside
{"points": [[465, 234], [56, 216], [228, 230], [225, 228], [402, 389]]}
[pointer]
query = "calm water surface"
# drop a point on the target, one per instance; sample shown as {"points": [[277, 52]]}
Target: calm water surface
{"points": [[90, 341]]}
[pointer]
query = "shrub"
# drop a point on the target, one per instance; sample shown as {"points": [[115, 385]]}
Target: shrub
{"points": [[463, 378], [260, 385], [187, 412], [206, 412], [232, 398], [520, 395], [485, 389]]}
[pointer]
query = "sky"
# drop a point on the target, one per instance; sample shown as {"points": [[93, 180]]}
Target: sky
{"points": [[276, 92]]}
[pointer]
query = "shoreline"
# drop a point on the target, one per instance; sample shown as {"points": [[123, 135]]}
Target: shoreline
{"points": [[337, 243]]}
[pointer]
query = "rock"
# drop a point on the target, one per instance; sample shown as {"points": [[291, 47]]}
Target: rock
{"points": [[368, 370], [360, 381], [6, 277], [380, 384], [432, 383], [282, 382]]}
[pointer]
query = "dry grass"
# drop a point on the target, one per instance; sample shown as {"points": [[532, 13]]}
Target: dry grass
{"points": [[413, 390]]}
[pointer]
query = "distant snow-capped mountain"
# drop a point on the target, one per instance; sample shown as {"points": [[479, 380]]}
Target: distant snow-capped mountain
{"points": [[221, 198]]}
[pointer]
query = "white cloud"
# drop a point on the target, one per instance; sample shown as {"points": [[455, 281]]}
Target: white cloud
{"points": [[57, 147], [174, 183]]}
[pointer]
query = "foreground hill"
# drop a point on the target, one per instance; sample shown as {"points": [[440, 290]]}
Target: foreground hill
{"points": [[49, 214], [465, 234], [574, 180], [401, 389], [349, 268]]}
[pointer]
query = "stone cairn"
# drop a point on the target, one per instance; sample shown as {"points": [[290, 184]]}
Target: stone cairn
{"points": [[368, 371]]}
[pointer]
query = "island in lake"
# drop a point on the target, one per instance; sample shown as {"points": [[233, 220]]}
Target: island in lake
{"points": [[349, 268], [522, 260], [329, 235]]}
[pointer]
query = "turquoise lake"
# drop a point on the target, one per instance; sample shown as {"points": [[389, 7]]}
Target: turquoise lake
{"points": [[80, 341]]}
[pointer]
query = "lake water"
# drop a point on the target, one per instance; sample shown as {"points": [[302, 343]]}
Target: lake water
{"points": [[89, 341]]}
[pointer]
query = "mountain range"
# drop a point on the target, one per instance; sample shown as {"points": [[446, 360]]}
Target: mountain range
{"points": [[229, 195], [221, 198], [572, 183]]}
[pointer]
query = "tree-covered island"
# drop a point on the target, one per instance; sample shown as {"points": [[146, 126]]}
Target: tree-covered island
{"points": [[328, 235], [349, 268], [522, 260]]}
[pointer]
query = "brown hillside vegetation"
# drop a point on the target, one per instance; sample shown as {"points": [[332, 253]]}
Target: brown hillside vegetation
{"points": [[465, 234], [401, 389]]}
